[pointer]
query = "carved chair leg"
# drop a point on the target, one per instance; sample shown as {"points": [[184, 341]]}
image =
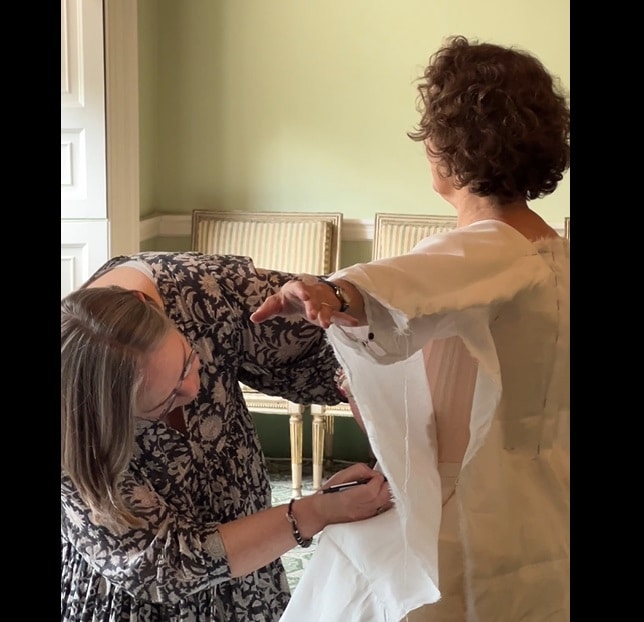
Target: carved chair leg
{"points": [[296, 432], [329, 431], [317, 411]]}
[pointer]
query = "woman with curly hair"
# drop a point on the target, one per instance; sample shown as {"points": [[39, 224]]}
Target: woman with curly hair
{"points": [[457, 357]]}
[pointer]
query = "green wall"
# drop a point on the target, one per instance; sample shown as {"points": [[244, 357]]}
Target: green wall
{"points": [[304, 106]]}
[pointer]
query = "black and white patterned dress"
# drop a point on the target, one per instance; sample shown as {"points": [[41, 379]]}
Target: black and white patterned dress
{"points": [[184, 487]]}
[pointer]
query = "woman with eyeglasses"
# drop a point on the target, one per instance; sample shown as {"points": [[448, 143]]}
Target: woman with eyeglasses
{"points": [[165, 495]]}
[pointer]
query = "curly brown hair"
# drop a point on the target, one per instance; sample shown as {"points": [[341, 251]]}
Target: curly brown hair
{"points": [[495, 118]]}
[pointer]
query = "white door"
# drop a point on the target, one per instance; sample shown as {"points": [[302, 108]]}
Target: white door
{"points": [[99, 174], [84, 243]]}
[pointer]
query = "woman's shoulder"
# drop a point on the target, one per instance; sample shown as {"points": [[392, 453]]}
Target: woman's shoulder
{"points": [[484, 238]]}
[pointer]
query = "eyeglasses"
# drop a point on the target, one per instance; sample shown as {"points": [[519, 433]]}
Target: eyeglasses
{"points": [[184, 374]]}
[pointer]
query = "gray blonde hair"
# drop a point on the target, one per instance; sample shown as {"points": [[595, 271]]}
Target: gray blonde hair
{"points": [[106, 334]]}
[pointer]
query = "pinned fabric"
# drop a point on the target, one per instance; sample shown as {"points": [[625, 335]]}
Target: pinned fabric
{"points": [[370, 575], [360, 592], [511, 496]]}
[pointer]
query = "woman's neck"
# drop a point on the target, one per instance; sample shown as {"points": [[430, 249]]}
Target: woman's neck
{"points": [[517, 214]]}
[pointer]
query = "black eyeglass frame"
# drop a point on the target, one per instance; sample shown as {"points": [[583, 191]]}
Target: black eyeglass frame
{"points": [[184, 374]]}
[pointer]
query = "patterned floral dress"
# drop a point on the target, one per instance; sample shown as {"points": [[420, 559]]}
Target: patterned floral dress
{"points": [[185, 486]]}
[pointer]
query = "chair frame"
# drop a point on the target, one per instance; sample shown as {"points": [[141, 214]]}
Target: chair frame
{"points": [[256, 401], [335, 218], [383, 219]]}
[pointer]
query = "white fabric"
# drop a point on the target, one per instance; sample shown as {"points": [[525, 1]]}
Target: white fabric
{"points": [[138, 265], [508, 300]]}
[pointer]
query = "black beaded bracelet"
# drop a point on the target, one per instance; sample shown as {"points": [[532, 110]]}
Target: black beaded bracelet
{"points": [[303, 542]]}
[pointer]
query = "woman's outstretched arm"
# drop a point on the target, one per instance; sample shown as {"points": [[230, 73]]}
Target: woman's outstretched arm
{"points": [[319, 301]]}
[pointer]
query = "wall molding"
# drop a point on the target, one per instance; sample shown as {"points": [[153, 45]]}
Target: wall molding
{"points": [[180, 225]]}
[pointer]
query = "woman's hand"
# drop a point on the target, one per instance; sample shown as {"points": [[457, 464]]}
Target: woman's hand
{"points": [[357, 502], [307, 297], [253, 541]]}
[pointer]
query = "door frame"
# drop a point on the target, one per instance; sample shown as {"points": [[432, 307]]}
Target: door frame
{"points": [[122, 126]]}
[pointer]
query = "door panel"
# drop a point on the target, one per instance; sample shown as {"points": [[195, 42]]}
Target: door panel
{"points": [[82, 110], [83, 175], [83, 249]]}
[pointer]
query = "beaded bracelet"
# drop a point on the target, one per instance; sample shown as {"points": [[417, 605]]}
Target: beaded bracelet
{"points": [[303, 542]]}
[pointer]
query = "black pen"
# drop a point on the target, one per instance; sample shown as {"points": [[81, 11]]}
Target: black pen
{"points": [[339, 487]]}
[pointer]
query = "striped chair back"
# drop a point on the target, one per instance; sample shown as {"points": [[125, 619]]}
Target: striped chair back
{"points": [[288, 241], [397, 234]]}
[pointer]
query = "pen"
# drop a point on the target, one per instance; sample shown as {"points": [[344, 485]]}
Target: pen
{"points": [[339, 487]]}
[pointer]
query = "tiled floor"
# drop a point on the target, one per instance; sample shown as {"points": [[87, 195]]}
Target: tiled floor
{"points": [[296, 559]]}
